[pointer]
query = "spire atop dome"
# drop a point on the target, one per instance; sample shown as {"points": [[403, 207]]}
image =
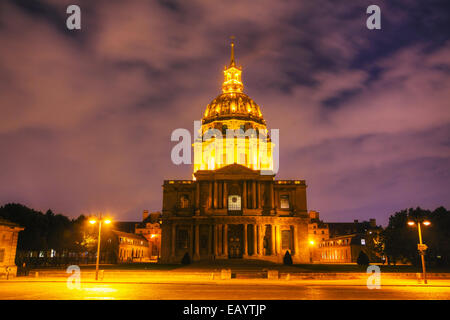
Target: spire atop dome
{"points": [[232, 62], [232, 82]]}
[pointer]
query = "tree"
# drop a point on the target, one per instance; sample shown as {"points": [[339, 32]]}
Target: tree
{"points": [[400, 240], [45, 231], [363, 259]]}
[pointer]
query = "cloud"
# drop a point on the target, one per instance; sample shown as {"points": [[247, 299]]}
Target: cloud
{"points": [[86, 116]]}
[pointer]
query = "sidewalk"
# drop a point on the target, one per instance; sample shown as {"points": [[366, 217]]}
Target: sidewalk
{"points": [[215, 278]]}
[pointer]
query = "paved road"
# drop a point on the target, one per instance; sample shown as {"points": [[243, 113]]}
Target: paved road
{"points": [[220, 291]]}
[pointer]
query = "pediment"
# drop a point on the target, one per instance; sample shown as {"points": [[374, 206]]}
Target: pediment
{"points": [[232, 172], [234, 169]]}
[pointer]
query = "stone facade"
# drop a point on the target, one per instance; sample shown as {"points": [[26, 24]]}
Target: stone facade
{"points": [[9, 234], [151, 232], [131, 247], [233, 208], [234, 212], [343, 249]]}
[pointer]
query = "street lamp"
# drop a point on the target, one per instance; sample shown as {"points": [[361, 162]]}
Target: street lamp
{"points": [[100, 220], [421, 247], [311, 244]]}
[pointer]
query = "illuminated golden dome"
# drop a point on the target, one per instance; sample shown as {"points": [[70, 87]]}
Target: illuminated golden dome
{"points": [[233, 103], [230, 112], [236, 105]]}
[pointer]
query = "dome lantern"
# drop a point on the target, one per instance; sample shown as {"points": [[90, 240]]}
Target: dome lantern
{"points": [[229, 113], [233, 103]]}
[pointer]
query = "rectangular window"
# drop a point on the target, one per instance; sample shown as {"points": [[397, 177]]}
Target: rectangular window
{"points": [[182, 239], [284, 201], [2, 254], [286, 239], [184, 201]]}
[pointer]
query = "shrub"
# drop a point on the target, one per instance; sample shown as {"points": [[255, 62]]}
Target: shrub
{"points": [[186, 259], [363, 259], [287, 258]]}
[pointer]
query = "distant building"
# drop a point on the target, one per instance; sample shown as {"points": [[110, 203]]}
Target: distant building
{"points": [[150, 228], [125, 226], [342, 249], [342, 228], [128, 247], [133, 241], [317, 232], [341, 242], [9, 234]]}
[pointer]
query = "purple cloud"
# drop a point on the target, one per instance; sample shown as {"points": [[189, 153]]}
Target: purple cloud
{"points": [[86, 117]]}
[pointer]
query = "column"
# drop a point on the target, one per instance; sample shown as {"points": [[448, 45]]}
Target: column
{"points": [[215, 194], [245, 240], [258, 205], [192, 241], [255, 240], [197, 197], [220, 239], [210, 195], [219, 195], [294, 229], [279, 239], [225, 195], [210, 239], [225, 239], [261, 232], [197, 242], [244, 195], [272, 242], [271, 194], [216, 239], [174, 230], [253, 194]]}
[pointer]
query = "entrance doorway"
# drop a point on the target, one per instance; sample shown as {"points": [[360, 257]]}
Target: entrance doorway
{"points": [[235, 241]]}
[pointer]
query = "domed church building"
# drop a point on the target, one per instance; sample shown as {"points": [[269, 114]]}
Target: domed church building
{"points": [[233, 208]]}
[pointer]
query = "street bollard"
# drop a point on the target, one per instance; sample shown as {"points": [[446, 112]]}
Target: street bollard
{"points": [[419, 278], [272, 274], [36, 274], [225, 274]]}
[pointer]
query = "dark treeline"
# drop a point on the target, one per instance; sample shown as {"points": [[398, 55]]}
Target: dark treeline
{"points": [[45, 231], [400, 240]]}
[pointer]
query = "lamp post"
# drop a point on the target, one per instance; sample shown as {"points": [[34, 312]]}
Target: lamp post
{"points": [[100, 221], [422, 247]]}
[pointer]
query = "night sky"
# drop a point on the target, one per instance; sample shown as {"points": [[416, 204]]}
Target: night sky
{"points": [[86, 116]]}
